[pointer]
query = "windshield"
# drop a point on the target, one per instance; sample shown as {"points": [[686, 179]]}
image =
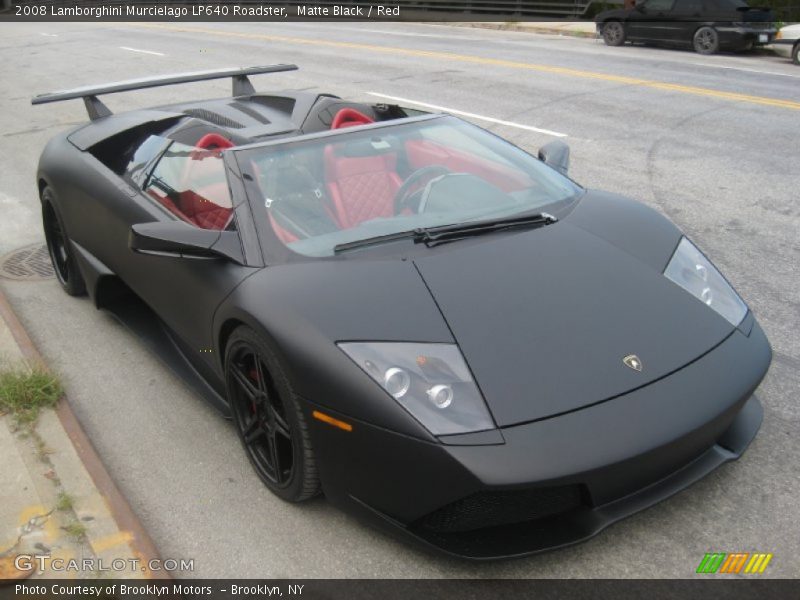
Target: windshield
{"points": [[325, 191]]}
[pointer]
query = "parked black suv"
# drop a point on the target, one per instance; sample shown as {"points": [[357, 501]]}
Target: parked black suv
{"points": [[705, 25]]}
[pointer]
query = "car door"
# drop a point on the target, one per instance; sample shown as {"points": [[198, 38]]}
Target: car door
{"points": [[688, 15], [652, 21], [190, 185]]}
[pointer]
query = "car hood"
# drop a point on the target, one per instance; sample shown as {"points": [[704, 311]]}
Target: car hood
{"points": [[545, 317]]}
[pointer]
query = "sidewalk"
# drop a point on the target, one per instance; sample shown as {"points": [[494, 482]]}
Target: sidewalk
{"points": [[571, 28], [56, 499]]}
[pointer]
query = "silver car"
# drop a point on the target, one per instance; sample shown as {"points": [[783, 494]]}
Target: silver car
{"points": [[787, 43]]}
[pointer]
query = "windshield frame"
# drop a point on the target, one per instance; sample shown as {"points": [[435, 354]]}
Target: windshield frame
{"points": [[276, 252]]}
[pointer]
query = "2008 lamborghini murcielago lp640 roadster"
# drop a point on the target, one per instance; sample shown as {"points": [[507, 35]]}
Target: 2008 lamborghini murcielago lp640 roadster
{"points": [[440, 332]]}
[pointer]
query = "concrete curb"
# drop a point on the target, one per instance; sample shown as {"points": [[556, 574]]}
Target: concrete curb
{"points": [[138, 540]]}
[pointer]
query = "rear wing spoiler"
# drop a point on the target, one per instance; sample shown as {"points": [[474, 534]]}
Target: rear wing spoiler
{"points": [[96, 109]]}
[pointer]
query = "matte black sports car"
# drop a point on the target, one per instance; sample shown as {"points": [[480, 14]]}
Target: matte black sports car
{"points": [[439, 331], [705, 25]]}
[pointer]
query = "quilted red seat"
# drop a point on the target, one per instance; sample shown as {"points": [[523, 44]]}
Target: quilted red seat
{"points": [[203, 208], [361, 188], [208, 207]]}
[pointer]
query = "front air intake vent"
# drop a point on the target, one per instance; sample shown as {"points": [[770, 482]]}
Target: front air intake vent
{"points": [[502, 507], [212, 117]]}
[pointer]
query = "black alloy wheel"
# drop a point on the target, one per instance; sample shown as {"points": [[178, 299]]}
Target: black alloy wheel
{"points": [[268, 419], [58, 246]]}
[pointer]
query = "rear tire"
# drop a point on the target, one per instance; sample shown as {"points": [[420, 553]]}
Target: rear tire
{"points": [[268, 417], [796, 54], [59, 247], [614, 33], [706, 40]]}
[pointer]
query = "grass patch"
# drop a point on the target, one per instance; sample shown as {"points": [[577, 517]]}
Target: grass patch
{"points": [[25, 391], [75, 530], [64, 502]]}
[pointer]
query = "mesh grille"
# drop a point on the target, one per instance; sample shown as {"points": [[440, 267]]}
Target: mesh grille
{"points": [[491, 509], [212, 117]]}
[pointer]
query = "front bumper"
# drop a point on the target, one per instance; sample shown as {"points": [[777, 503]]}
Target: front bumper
{"points": [[783, 47], [559, 480]]}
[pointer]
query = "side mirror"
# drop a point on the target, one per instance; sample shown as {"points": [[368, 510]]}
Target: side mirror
{"points": [[555, 154], [181, 240]]}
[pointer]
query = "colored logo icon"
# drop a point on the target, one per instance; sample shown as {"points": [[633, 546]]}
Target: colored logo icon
{"points": [[735, 562]]}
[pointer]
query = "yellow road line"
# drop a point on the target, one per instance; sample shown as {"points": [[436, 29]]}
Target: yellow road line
{"points": [[465, 58]]}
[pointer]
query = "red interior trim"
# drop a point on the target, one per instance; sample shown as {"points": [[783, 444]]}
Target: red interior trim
{"points": [[350, 117], [214, 140]]}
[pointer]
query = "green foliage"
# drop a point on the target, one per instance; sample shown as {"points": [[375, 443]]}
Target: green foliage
{"points": [[64, 502], [595, 8], [785, 10], [75, 530], [25, 391]]}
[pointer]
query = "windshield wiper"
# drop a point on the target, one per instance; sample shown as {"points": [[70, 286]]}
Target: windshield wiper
{"points": [[378, 239], [433, 236]]}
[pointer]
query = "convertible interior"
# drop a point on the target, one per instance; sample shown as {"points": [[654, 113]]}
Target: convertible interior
{"points": [[353, 184], [359, 181]]}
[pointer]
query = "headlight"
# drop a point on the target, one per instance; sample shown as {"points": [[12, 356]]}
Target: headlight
{"points": [[431, 381], [695, 273]]}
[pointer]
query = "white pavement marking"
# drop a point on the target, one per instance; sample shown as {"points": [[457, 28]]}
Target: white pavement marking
{"points": [[142, 51], [453, 111], [759, 71], [48, 34]]}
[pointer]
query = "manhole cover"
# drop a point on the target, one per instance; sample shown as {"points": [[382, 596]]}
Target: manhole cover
{"points": [[31, 263]]}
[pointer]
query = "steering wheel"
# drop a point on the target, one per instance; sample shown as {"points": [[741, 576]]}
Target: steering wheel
{"points": [[406, 193]]}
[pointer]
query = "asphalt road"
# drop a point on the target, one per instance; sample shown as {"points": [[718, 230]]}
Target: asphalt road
{"points": [[710, 141]]}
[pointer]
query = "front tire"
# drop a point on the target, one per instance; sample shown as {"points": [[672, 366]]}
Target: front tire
{"points": [[796, 54], [268, 418], [614, 33], [706, 40], [60, 248]]}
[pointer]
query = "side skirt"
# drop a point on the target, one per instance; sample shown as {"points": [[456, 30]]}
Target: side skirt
{"points": [[138, 318], [109, 293]]}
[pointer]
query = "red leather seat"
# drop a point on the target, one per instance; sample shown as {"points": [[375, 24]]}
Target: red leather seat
{"points": [[350, 117], [361, 187], [214, 140], [201, 209], [207, 207]]}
